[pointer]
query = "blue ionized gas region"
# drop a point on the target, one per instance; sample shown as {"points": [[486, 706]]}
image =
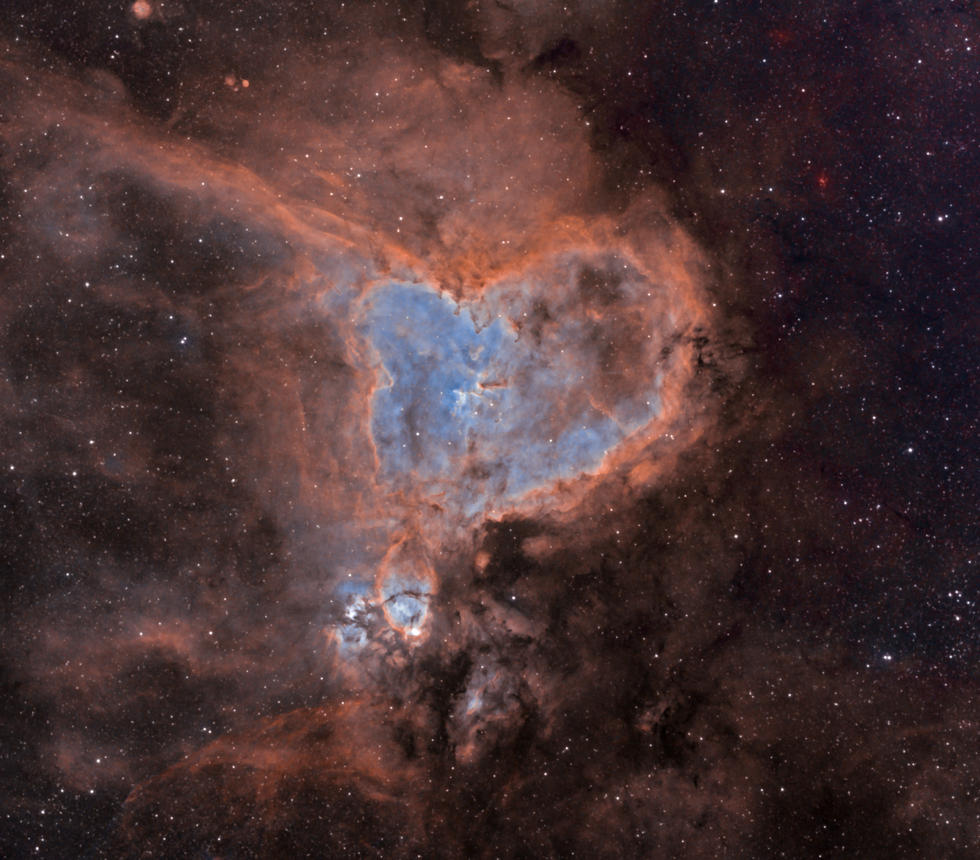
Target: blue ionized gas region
{"points": [[482, 416]]}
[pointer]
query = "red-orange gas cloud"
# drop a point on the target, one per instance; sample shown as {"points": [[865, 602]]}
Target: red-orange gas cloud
{"points": [[408, 311]]}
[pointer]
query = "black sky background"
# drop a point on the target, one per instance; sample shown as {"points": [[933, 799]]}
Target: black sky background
{"points": [[769, 649]]}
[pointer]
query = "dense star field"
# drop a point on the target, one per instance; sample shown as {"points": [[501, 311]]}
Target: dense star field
{"points": [[533, 429]]}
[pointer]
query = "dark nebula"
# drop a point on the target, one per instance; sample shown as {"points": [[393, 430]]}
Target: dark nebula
{"points": [[489, 430]]}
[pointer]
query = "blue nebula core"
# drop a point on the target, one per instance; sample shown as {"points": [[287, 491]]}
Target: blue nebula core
{"points": [[352, 637], [481, 416], [406, 601]]}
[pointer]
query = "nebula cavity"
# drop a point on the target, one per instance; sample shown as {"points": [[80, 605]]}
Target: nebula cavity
{"points": [[480, 404], [405, 585]]}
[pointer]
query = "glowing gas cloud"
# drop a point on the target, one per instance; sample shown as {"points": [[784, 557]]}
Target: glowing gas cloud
{"points": [[475, 334], [509, 342], [483, 405], [389, 284], [488, 430]]}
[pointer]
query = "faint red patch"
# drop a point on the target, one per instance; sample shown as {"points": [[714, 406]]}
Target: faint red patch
{"points": [[781, 36]]}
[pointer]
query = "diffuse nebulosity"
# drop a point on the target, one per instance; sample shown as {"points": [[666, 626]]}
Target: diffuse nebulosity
{"points": [[272, 349], [360, 448], [482, 415]]}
